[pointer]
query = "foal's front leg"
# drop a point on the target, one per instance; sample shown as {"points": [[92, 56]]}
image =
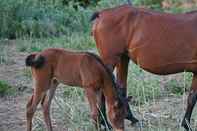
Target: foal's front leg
{"points": [[31, 107], [103, 115], [92, 97], [192, 98]]}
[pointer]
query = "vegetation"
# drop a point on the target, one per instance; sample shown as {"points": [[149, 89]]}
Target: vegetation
{"points": [[52, 18], [5, 88]]}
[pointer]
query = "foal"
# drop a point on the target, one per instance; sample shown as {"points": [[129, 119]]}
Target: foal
{"points": [[53, 66]]}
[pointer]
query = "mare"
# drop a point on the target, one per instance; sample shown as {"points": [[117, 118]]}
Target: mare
{"points": [[53, 66], [160, 43]]}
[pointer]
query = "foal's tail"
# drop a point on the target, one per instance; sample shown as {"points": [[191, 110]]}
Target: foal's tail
{"points": [[35, 60]]}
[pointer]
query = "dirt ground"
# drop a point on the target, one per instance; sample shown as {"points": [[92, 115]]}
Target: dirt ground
{"points": [[165, 113]]}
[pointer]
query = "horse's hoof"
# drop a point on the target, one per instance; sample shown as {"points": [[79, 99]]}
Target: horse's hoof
{"points": [[134, 121], [186, 126], [138, 124]]}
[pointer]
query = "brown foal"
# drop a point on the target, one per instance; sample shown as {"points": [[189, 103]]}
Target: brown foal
{"points": [[53, 66], [161, 43]]}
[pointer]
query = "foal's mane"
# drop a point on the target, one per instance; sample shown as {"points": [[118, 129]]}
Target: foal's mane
{"points": [[106, 69]]}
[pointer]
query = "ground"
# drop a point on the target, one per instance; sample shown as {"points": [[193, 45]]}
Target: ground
{"points": [[162, 114]]}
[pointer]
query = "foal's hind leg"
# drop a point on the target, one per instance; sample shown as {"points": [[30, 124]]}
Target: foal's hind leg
{"points": [[31, 107], [46, 102], [122, 73], [192, 98], [41, 86]]}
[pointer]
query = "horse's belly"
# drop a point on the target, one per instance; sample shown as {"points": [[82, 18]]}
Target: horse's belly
{"points": [[163, 63], [164, 69]]}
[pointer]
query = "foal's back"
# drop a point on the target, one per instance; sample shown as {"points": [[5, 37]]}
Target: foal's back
{"points": [[72, 68]]}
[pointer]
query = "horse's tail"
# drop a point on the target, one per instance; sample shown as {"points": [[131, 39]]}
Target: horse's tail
{"points": [[35, 60], [94, 16]]}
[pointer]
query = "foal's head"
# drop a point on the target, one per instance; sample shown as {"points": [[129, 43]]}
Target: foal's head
{"points": [[119, 110]]}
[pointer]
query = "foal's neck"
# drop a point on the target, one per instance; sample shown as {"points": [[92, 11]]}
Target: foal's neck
{"points": [[111, 94]]}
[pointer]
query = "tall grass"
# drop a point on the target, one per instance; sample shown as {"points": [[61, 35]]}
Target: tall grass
{"points": [[75, 41]]}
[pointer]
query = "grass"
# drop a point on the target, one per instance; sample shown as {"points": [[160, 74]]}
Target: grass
{"points": [[27, 73], [4, 53], [6, 89], [146, 86], [70, 110], [73, 41]]}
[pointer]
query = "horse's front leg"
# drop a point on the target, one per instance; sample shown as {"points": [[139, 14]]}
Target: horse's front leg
{"points": [[122, 73], [192, 98]]}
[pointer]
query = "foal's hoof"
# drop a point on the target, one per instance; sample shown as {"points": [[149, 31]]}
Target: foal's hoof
{"points": [[186, 126]]}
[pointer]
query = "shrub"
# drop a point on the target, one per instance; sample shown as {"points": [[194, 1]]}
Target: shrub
{"points": [[40, 19], [83, 3], [154, 4]]}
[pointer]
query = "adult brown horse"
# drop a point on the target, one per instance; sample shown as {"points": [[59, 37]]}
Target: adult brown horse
{"points": [[161, 43], [53, 66]]}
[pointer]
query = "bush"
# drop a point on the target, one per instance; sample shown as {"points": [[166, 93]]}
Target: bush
{"points": [[83, 3], [40, 19], [47, 18], [154, 4]]}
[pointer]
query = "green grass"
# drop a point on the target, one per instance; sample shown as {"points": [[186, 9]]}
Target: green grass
{"points": [[146, 87], [142, 85], [74, 41], [6, 89], [4, 54]]}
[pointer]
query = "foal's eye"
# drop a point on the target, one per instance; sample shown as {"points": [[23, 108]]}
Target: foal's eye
{"points": [[119, 104]]}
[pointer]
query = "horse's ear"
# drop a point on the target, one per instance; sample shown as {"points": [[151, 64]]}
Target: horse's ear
{"points": [[129, 2]]}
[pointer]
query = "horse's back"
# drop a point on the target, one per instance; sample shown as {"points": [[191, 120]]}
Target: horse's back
{"points": [[165, 43]]}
